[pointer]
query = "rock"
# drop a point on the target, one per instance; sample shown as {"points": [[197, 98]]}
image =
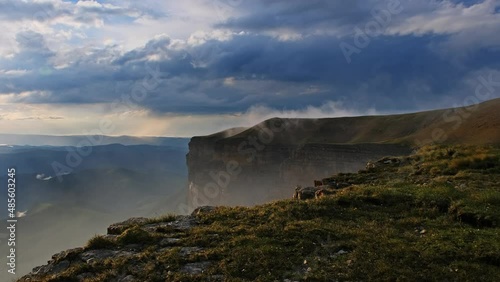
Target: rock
{"points": [[186, 251], [185, 222], [103, 254], [169, 241], [203, 210], [90, 261], [40, 270], [195, 267], [118, 228], [182, 223], [370, 166], [388, 161], [305, 193], [128, 278], [51, 268], [323, 192], [68, 254], [84, 276], [341, 252], [60, 267], [161, 227]]}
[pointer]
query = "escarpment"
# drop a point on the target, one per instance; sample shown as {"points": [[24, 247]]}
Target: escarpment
{"points": [[247, 166]]}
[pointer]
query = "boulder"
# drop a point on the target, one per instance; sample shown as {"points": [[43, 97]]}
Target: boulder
{"points": [[323, 192], [202, 210], [305, 193]]}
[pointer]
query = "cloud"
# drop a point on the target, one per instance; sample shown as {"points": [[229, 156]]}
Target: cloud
{"points": [[233, 75], [469, 26], [189, 125], [311, 17], [199, 58], [450, 18], [63, 12]]}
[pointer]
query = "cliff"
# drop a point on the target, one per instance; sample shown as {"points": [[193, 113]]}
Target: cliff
{"points": [[258, 164]]}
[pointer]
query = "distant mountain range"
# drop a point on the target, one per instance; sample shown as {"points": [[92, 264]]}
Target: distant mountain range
{"points": [[92, 140], [41, 160]]}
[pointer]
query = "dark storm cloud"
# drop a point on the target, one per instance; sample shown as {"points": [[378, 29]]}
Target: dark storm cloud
{"points": [[409, 69], [395, 71], [297, 14]]}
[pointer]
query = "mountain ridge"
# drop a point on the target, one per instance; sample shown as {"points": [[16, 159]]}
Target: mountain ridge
{"points": [[457, 123], [279, 153]]}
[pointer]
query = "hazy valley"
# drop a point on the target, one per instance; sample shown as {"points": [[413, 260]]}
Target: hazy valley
{"points": [[61, 208]]}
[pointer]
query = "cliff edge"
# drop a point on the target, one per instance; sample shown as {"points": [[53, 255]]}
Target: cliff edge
{"points": [[258, 164]]}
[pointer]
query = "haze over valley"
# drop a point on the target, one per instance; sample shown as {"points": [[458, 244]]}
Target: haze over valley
{"points": [[64, 197]]}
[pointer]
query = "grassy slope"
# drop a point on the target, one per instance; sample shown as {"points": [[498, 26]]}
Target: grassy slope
{"points": [[433, 217], [473, 125]]}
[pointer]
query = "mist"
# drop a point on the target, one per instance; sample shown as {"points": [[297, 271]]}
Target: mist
{"points": [[112, 184]]}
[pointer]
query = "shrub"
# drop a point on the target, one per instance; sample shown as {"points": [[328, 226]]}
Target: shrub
{"points": [[99, 242]]}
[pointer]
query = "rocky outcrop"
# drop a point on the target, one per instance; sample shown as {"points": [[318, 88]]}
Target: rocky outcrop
{"points": [[126, 241]]}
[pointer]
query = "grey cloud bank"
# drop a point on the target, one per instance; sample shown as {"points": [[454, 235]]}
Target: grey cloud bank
{"points": [[283, 55]]}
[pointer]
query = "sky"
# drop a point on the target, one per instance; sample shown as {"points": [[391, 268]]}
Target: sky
{"points": [[194, 67]]}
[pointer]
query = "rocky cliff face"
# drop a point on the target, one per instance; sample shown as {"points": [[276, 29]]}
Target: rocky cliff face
{"points": [[262, 163], [247, 171], [254, 165]]}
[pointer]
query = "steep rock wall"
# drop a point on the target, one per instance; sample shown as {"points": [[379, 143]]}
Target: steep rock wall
{"points": [[265, 162], [222, 174]]}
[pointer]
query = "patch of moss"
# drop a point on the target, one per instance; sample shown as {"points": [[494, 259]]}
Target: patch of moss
{"points": [[135, 235]]}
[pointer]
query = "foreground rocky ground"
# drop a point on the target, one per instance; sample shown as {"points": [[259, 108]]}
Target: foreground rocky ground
{"points": [[431, 216]]}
